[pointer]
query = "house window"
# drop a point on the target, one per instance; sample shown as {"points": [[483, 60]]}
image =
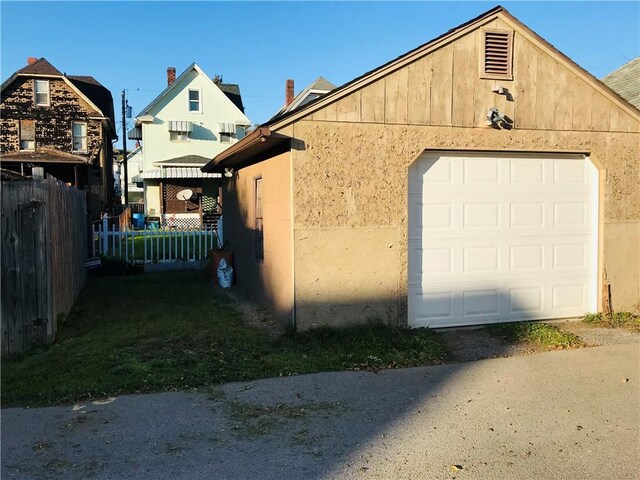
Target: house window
{"points": [[497, 54], [226, 137], [259, 230], [79, 133], [194, 100], [41, 92], [179, 136], [27, 135]]}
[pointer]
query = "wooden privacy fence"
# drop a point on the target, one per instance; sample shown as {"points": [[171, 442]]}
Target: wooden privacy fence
{"points": [[44, 247], [162, 245]]}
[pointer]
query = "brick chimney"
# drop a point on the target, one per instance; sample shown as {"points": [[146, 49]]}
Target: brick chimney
{"points": [[171, 75], [288, 93], [31, 60]]}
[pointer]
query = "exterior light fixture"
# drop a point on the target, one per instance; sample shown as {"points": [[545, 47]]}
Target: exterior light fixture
{"points": [[228, 172], [496, 119]]}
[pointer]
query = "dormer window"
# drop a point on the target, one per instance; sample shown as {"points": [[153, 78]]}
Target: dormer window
{"points": [[41, 93], [194, 101]]}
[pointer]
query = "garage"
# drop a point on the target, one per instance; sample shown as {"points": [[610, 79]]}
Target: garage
{"points": [[497, 237]]}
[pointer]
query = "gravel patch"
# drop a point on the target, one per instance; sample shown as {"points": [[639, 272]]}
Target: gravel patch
{"points": [[471, 344], [596, 335]]}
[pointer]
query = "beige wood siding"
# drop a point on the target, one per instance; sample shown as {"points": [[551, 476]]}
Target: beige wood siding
{"points": [[445, 88]]}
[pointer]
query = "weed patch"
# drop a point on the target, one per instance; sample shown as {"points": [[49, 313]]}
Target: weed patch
{"points": [[615, 320], [541, 334]]}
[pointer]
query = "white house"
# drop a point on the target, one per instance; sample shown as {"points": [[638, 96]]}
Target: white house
{"points": [[184, 127]]}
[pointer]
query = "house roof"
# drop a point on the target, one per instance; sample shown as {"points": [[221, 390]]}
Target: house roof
{"points": [[42, 155], [318, 87], [232, 91], [96, 92], [173, 172], [87, 87], [244, 146], [626, 82], [40, 67], [232, 88], [184, 160]]}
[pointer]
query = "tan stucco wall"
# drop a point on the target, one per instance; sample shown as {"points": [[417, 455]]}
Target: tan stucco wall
{"points": [[270, 281], [350, 214]]}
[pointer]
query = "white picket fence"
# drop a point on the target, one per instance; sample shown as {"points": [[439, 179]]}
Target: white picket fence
{"points": [[153, 245]]}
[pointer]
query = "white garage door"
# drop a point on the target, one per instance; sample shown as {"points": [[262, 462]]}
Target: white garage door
{"points": [[495, 238]]}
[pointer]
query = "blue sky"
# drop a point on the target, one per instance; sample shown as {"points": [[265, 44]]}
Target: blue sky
{"points": [[129, 45]]}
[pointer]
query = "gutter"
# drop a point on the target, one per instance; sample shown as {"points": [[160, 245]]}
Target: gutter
{"points": [[259, 135]]}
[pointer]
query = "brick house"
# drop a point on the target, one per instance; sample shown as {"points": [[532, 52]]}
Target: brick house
{"points": [[62, 123]]}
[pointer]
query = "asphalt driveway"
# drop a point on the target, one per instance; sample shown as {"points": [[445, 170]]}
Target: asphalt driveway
{"points": [[567, 414]]}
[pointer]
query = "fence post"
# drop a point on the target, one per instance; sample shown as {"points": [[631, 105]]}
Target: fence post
{"points": [[105, 235]]}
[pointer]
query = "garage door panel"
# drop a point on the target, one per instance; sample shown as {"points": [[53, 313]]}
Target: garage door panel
{"points": [[508, 238], [481, 170], [481, 215], [528, 257], [480, 302], [527, 172], [566, 172], [527, 214], [526, 299], [568, 296]]}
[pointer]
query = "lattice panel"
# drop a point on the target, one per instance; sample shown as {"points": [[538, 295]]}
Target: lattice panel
{"points": [[209, 203], [170, 199], [169, 221]]}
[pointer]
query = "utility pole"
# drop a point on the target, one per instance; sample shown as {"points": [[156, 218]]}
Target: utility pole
{"points": [[124, 151]]}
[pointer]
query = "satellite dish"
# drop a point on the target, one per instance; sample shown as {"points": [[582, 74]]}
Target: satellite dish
{"points": [[184, 194]]}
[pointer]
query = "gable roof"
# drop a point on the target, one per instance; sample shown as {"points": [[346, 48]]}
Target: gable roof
{"points": [[318, 87], [176, 82], [232, 91], [96, 92], [40, 67], [436, 43], [88, 88], [184, 160], [626, 81], [269, 129]]}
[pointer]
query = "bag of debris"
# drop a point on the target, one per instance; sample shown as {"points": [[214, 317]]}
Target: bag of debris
{"points": [[225, 274]]}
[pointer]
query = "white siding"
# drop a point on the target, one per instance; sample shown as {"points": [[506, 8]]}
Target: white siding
{"points": [[215, 108]]}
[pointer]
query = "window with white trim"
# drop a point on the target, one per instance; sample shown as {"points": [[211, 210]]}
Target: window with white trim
{"points": [[179, 136], [226, 137], [41, 92], [27, 135], [79, 134], [194, 100]]}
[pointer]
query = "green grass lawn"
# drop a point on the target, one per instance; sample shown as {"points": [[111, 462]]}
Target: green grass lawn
{"points": [[541, 334], [174, 331]]}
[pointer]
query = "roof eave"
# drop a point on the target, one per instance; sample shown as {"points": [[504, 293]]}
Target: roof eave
{"points": [[259, 135]]}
